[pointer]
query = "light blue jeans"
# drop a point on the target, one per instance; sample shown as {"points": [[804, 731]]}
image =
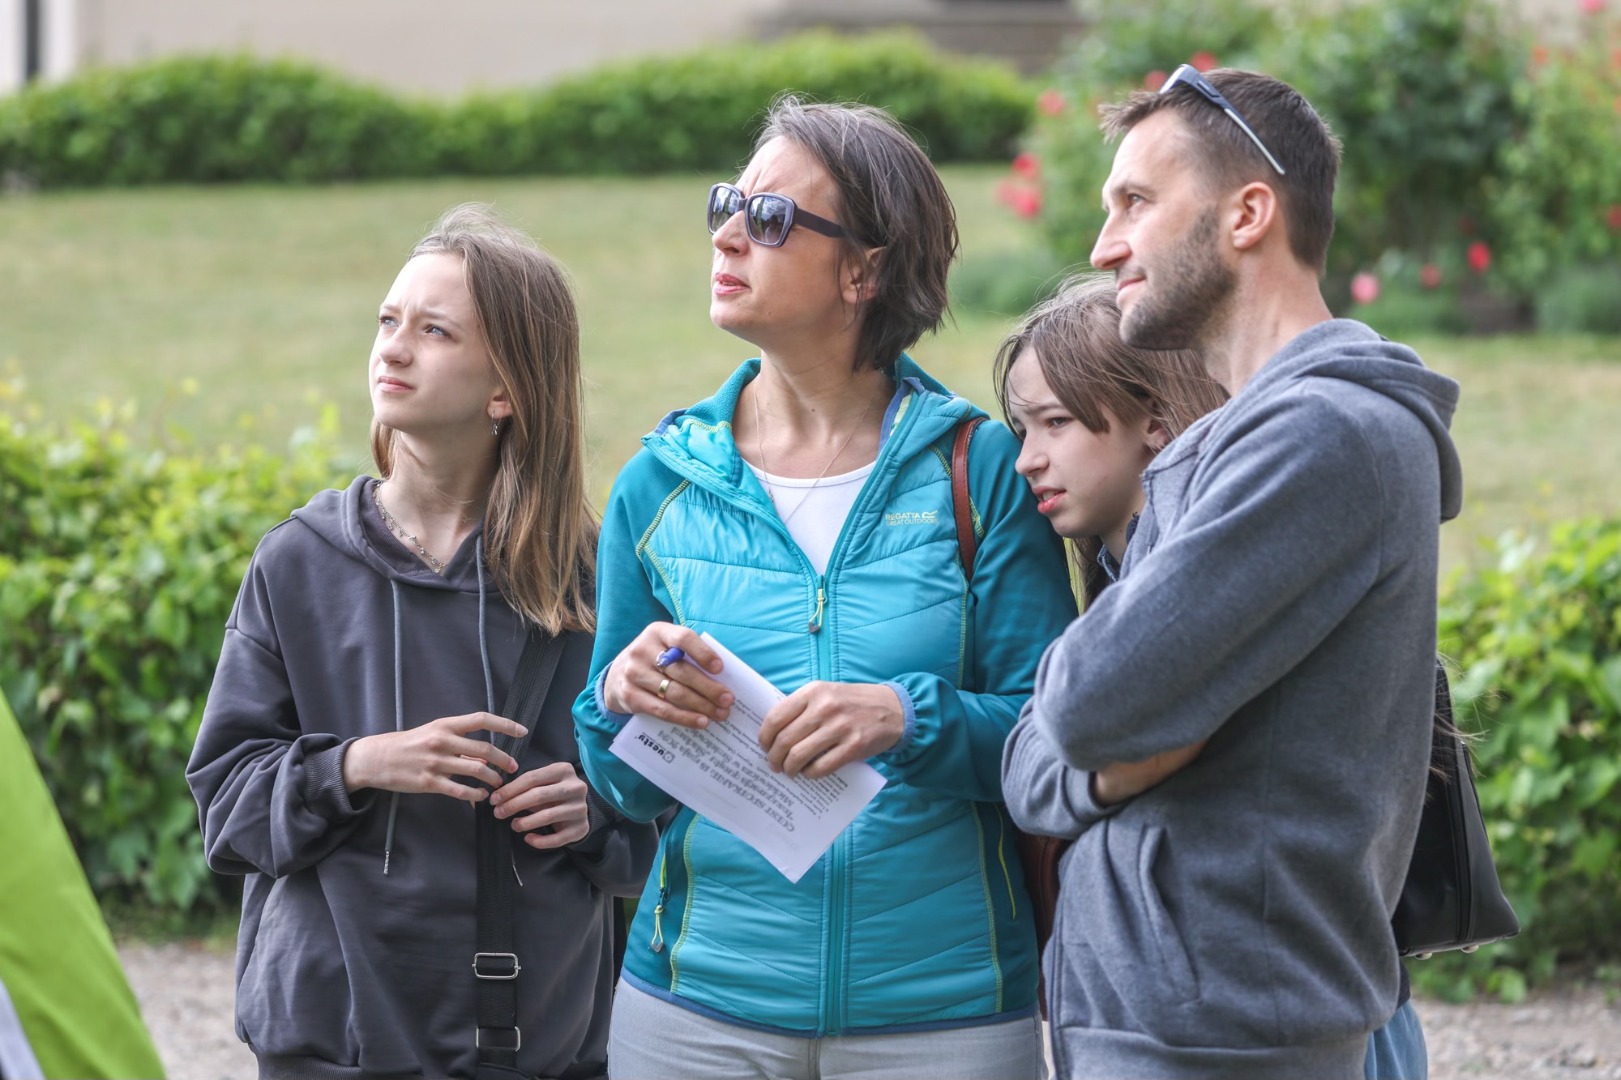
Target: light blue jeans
{"points": [[1397, 1051], [651, 1039]]}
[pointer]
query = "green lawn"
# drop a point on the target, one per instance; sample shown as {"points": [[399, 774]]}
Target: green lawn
{"points": [[265, 298]]}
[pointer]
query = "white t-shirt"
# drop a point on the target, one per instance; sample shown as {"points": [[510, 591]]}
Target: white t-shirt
{"points": [[814, 510]]}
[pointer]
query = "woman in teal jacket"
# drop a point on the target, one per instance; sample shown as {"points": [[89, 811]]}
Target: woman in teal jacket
{"points": [[803, 516]]}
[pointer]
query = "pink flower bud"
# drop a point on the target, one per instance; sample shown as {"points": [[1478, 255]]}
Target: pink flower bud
{"points": [[1050, 103], [1364, 288], [1027, 204], [1429, 276]]}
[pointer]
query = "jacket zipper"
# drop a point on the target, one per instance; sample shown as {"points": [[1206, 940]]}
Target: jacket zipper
{"points": [[833, 996]]}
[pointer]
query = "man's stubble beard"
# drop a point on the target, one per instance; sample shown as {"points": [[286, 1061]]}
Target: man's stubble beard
{"points": [[1193, 292]]}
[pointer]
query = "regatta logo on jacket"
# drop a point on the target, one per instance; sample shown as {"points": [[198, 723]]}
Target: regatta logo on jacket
{"points": [[926, 517]]}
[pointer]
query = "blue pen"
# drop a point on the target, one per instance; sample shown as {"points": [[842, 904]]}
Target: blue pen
{"points": [[669, 656]]}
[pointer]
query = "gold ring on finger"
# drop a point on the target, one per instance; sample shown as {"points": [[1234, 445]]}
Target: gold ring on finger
{"points": [[664, 687]]}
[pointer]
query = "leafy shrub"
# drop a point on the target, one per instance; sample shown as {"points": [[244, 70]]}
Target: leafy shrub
{"points": [[205, 119], [1537, 638], [118, 567], [1556, 200], [1422, 95]]}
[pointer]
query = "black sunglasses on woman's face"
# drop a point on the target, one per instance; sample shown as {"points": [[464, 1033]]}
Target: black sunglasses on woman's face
{"points": [[766, 215]]}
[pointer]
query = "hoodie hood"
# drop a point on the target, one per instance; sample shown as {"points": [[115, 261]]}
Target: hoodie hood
{"points": [[1352, 352], [349, 522]]}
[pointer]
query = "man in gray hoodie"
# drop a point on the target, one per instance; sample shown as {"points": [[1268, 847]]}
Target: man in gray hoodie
{"points": [[1235, 735]]}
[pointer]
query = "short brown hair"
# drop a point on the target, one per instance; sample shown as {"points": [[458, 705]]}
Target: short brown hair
{"points": [[1076, 338], [540, 533], [1283, 120], [889, 197]]}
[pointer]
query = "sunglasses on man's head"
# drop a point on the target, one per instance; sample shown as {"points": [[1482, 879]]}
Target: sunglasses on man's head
{"points": [[1188, 75], [766, 215]]}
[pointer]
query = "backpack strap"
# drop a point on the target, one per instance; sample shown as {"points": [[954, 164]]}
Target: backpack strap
{"points": [[962, 507], [495, 963]]}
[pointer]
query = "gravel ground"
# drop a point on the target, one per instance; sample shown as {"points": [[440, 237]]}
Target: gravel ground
{"points": [[1570, 1033]]}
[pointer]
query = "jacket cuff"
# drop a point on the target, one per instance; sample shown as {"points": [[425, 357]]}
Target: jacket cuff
{"points": [[323, 789], [909, 712], [598, 816]]}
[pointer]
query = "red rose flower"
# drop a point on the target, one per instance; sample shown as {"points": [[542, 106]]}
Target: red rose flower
{"points": [[1050, 103], [1027, 165], [1154, 80], [1202, 61], [1429, 276], [1613, 218], [1480, 257], [1027, 202]]}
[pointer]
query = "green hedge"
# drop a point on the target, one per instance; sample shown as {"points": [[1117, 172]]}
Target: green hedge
{"points": [[209, 119], [1537, 638], [118, 566]]}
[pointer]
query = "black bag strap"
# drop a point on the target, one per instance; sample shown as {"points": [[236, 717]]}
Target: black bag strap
{"points": [[962, 508], [495, 963]]}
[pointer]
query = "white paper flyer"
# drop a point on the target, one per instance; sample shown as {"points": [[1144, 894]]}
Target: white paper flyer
{"points": [[721, 772]]}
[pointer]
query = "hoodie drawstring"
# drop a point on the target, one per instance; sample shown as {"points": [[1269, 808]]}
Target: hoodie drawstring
{"points": [[399, 721], [399, 690]]}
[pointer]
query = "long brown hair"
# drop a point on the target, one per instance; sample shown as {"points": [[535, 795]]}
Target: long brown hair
{"points": [[1076, 337], [540, 533]]}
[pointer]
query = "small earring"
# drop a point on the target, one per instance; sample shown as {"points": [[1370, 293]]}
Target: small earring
{"points": [[495, 427]]}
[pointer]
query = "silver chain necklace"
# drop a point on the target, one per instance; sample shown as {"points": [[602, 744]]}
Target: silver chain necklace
{"points": [[398, 530], [759, 448]]}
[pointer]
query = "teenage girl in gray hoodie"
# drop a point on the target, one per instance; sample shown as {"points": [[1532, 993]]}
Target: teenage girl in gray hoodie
{"points": [[348, 732], [1092, 413]]}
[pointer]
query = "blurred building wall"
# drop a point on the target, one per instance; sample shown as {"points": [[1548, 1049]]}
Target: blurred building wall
{"points": [[428, 47], [424, 46]]}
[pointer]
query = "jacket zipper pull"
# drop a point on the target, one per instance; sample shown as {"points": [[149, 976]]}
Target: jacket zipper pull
{"points": [[821, 602], [657, 944]]}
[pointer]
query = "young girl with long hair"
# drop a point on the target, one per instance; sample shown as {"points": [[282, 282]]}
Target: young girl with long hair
{"points": [[351, 726], [1091, 412]]}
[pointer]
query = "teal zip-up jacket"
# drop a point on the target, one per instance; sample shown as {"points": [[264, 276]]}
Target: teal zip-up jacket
{"points": [[917, 916]]}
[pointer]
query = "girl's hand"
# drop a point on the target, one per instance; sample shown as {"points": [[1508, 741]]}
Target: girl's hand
{"points": [[1128, 779], [825, 725], [550, 795], [690, 697], [424, 759]]}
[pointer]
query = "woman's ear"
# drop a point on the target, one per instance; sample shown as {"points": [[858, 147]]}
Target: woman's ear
{"points": [[500, 406], [859, 273]]}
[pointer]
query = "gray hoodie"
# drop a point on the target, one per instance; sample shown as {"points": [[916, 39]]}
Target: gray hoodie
{"points": [[1278, 599], [359, 914]]}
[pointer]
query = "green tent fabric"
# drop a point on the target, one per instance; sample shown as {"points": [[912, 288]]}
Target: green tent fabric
{"points": [[58, 967]]}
